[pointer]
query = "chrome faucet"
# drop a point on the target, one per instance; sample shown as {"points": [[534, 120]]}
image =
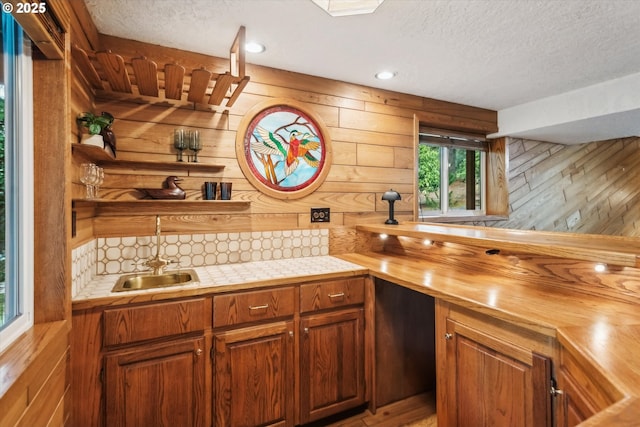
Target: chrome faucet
{"points": [[157, 262]]}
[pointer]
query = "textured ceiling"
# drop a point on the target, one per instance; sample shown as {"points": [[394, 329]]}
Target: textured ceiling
{"points": [[494, 54]]}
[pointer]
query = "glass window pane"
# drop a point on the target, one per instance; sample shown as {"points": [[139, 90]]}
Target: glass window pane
{"points": [[478, 155], [16, 183], [4, 313], [429, 166], [457, 178], [450, 174], [464, 179]]}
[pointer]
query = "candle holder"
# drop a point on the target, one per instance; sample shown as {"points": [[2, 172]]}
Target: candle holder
{"points": [[194, 144], [179, 142]]}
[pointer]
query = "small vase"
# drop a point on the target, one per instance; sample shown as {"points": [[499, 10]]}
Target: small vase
{"points": [[95, 140]]}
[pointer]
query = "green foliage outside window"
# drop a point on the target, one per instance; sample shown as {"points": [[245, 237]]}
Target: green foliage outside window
{"points": [[429, 175]]}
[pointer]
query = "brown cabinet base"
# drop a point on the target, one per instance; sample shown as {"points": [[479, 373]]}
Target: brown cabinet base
{"points": [[490, 375], [158, 385]]}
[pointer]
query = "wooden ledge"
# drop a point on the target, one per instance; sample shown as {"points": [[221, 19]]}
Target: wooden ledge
{"points": [[42, 341], [103, 158], [160, 207], [614, 250]]}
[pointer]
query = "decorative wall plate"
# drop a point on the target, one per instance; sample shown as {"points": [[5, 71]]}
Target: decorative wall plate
{"points": [[283, 149]]}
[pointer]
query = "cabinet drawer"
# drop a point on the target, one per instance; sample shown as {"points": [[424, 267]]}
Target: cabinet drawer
{"points": [[241, 307], [331, 294], [147, 322]]}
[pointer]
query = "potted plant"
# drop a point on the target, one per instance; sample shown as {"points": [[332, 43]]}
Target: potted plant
{"points": [[99, 130]]}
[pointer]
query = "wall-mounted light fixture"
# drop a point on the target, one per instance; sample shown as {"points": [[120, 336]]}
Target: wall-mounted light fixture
{"points": [[391, 196]]}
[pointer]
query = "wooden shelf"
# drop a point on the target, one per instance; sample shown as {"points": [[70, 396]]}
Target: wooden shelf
{"points": [[158, 207], [614, 250], [104, 158], [137, 77], [91, 152]]}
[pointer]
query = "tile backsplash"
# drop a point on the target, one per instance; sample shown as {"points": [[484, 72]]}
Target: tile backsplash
{"points": [[119, 255], [83, 266]]}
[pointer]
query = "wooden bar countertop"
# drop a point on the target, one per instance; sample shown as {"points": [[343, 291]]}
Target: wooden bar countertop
{"points": [[598, 324], [603, 332]]}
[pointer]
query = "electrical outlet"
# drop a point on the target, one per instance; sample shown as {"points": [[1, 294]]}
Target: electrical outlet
{"points": [[320, 215]]}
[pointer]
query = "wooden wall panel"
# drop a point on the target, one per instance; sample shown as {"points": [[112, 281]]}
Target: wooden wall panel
{"points": [[84, 34], [371, 130], [497, 195], [589, 188], [52, 199], [34, 384], [34, 388]]}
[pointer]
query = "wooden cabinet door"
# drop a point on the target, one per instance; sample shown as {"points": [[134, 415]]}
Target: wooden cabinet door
{"points": [[585, 392], [575, 407], [493, 383], [331, 363], [162, 385], [254, 376]]}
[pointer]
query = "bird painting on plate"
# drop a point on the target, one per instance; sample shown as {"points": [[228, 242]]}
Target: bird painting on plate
{"points": [[170, 190]]}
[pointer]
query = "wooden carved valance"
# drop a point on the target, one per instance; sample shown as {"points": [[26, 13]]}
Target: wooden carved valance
{"points": [[141, 77]]}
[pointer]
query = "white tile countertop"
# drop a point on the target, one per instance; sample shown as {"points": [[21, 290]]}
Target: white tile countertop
{"points": [[233, 275]]}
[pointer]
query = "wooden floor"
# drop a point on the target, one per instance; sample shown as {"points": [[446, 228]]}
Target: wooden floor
{"points": [[416, 411]]}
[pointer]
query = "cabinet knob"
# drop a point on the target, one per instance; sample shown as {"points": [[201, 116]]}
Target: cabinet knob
{"points": [[291, 334], [198, 352], [306, 331], [448, 336]]}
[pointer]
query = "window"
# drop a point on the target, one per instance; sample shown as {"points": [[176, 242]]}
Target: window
{"points": [[16, 184], [451, 173]]}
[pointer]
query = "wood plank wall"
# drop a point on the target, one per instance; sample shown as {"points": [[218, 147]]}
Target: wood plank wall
{"points": [[587, 188], [39, 395], [371, 132]]}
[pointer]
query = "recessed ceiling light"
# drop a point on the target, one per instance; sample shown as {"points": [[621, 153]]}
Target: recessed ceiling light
{"points": [[385, 75], [348, 7], [253, 47]]}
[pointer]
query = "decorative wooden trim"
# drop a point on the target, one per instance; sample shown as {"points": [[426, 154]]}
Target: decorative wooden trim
{"points": [[268, 176], [497, 202], [136, 77], [46, 27], [454, 122], [52, 216]]}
